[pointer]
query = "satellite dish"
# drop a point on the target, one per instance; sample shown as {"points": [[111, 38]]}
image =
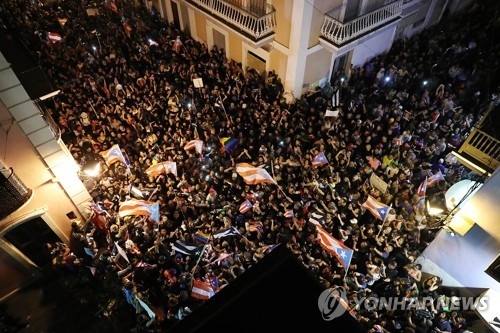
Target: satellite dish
{"points": [[458, 191]]}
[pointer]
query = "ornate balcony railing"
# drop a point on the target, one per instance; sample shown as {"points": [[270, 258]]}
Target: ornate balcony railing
{"points": [[13, 192], [241, 17], [44, 112], [340, 33], [483, 148]]}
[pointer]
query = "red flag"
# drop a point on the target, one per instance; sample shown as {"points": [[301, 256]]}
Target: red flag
{"points": [[54, 37], [202, 290], [92, 85], [111, 5], [105, 88], [127, 28], [422, 188], [177, 45]]}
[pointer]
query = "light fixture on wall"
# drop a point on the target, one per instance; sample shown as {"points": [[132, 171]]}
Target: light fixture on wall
{"points": [[436, 204], [92, 168]]}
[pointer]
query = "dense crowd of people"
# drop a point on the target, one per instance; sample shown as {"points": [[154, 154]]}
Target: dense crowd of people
{"points": [[400, 116]]}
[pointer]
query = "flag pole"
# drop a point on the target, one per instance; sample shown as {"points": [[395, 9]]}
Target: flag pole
{"points": [[347, 268], [224, 109], [383, 221], [197, 263], [279, 187]]}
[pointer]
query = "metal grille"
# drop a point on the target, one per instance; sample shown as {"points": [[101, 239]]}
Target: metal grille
{"points": [[13, 192]]}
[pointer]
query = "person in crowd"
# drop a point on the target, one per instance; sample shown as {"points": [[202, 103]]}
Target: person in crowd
{"points": [[133, 87]]}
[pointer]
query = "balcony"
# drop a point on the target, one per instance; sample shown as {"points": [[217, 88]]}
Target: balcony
{"points": [[13, 192], [253, 19], [340, 33], [481, 150]]}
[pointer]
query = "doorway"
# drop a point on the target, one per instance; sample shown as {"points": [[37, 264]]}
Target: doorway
{"points": [[339, 66], [30, 238], [257, 63], [219, 40], [14, 274], [175, 14]]}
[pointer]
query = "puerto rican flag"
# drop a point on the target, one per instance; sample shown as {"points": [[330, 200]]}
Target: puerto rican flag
{"points": [[162, 167], [253, 175], [335, 247], [255, 226], [245, 206], [289, 214], [319, 160], [54, 37], [378, 209], [432, 180], [114, 154], [197, 144], [202, 290], [422, 189], [139, 207]]}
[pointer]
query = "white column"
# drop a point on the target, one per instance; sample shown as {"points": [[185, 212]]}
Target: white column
{"points": [[170, 16], [302, 14], [192, 24]]}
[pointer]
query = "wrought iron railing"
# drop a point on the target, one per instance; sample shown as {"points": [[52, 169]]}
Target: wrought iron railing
{"points": [[244, 18], [340, 33], [483, 147], [44, 112], [13, 192]]}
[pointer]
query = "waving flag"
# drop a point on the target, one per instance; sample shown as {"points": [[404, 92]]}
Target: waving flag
{"points": [[422, 189], [98, 217], [148, 310], [317, 219], [112, 155], [255, 226], [289, 213], [138, 208], [155, 212], [399, 141], [162, 167], [189, 250], [319, 160], [202, 290], [245, 206], [221, 257], [215, 283], [378, 209], [269, 247], [197, 144], [306, 207], [177, 45], [434, 179], [111, 5], [226, 233], [127, 28], [62, 21], [54, 37], [105, 88], [229, 144], [201, 237], [335, 247], [253, 175], [122, 252]]}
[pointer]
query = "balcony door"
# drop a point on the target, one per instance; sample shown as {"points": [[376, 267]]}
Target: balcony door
{"points": [[175, 14], [23, 252], [14, 274], [257, 63], [31, 238]]}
